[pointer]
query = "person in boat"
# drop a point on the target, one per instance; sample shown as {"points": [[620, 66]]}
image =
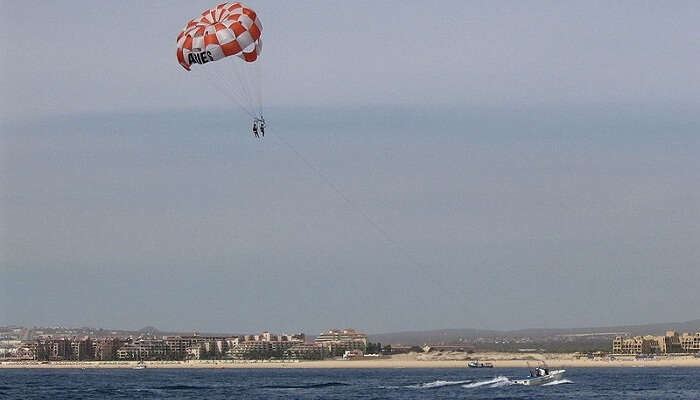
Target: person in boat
{"points": [[262, 126], [255, 128]]}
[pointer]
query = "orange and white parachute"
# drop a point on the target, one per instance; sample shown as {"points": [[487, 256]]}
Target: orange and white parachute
{"points": [[229, 29], [218, 37]]}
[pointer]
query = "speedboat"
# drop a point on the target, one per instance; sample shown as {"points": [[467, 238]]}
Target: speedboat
{"points": [[540, 376], [476, 364]]}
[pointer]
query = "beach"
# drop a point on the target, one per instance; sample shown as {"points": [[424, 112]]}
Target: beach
{"points": [[413, 360]]}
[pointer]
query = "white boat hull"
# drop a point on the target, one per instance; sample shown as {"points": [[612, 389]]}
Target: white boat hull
{"points": [[541, 380]]}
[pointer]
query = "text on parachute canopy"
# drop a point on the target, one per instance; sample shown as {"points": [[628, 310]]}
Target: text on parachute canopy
{"points": [[200, 58]]}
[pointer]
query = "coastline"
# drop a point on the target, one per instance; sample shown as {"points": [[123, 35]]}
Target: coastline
{"points": [[500, 360]]}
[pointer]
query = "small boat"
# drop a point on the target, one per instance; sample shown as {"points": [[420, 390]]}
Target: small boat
{"points": [[540, 376], [477, 364], [140, 365]]}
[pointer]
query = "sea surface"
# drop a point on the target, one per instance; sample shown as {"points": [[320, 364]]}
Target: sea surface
{"points": [[582, 383]]}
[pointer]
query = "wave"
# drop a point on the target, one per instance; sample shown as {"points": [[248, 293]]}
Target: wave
{"points": [[559, 382], [495, 382], [308, 386], [179, 387], [437, 384]]}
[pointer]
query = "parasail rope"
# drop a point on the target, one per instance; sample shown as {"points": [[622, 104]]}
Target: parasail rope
{"points": [[324, 178], [227, 92], [328, 182], [243, 84], [259, 80], [243, 88]]}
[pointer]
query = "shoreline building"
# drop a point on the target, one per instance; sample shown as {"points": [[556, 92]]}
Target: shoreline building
{"points": [[634, 345], [144, 349], [81, 349], [308, 351], [397, 349], [337, 335], [106, 349], [263, 346], [340, 341], [690, 343], [183, 347], [670, 343], [260, 349]]}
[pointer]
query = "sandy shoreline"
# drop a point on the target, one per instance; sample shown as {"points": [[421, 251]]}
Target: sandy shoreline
{"points": [[500, 360]]}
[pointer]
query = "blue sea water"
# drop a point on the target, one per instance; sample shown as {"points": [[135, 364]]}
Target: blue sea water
{"points": [[582, 383]]}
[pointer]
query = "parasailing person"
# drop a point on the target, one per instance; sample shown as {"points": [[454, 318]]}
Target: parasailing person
{"points": [[226, 43]]}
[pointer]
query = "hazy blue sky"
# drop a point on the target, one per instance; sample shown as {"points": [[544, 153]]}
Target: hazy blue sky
{"points": [[534, 164]]}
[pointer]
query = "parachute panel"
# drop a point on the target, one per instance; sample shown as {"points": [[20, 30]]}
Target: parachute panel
{"points": [[220, 32]]}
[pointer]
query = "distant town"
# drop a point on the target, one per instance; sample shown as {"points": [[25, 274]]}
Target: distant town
{"points": [[87, 344], [61, 344]]}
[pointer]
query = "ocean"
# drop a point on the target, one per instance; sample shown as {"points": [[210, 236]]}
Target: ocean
{"points": [[581, 383]]}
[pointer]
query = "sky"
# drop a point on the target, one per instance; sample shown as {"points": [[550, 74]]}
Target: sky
{"points": [[429, 165]]}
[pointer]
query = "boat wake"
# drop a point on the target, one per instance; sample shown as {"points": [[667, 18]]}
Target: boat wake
{"points": [[437, 384], [498, 381], [498, 384], [559, 382], [501, 381]]}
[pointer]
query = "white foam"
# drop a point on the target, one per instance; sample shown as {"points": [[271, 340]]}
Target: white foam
{"points": [[499, 380], [559, 382], [507, 382], [437, 384]]}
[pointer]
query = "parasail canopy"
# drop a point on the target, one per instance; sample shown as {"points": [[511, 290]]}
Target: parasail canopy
{"points": [[229, 29]]}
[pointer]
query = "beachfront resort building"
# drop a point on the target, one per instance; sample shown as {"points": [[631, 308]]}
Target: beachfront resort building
{"points": [[265, 345], [690, 343], [308, 351], [337, 335], [398, 349], [261, 349], [196, 346], [105, 349], [340, 341], [634, 345], [671, 342], [144, 349]]}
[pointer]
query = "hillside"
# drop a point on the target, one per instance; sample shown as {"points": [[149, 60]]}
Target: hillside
{"points": [[596, 337]]}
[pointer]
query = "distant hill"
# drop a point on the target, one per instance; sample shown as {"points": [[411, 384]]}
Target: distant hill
{"points": [[417, 338], [648, 329], [149, 331], [414, 338]]}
